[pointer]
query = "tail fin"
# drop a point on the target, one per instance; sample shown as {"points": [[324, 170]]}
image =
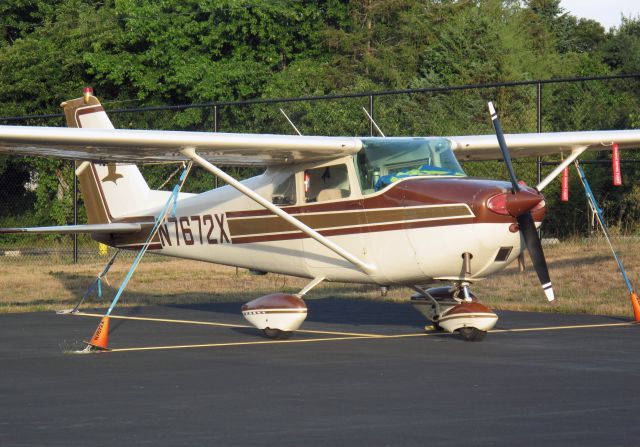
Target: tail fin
{"points": [[110, 191]]}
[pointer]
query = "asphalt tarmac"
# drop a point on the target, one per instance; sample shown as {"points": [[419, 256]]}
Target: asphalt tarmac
{"points": [[175, 384]]}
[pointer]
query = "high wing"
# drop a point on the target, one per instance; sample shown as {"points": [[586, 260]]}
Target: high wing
{"points": [[135, 146], [485, 147]]}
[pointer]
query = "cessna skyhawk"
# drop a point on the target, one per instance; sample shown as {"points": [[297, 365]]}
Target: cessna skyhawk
{"points": [[385, 211]]}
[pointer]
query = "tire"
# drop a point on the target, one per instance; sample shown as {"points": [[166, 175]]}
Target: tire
{"points": [[472, 334], [277, 334]]}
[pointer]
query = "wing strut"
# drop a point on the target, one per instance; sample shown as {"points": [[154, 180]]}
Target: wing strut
{"points": [[566, 162], [360, 264]]}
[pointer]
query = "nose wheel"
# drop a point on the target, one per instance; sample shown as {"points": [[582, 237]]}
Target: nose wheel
{"points": [[455, 310], [277, 334], [472, 334]]}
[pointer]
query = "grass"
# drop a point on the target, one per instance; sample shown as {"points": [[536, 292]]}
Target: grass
{"points": [[584, 273]]}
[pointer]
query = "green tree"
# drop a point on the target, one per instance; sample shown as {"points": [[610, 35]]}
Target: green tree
{"points": [[192, 51], [621, 51]]}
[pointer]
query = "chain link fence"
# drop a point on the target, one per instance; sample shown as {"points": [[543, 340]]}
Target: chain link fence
{"points": [[557, 105]]}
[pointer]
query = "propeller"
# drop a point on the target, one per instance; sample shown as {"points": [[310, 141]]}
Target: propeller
{"points": [[519, 205]]}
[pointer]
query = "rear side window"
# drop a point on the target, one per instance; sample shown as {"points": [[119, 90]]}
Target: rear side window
{"points": [[326, 183]]}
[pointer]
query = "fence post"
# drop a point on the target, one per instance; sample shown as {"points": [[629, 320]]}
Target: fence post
{"points": [[372, 117]]}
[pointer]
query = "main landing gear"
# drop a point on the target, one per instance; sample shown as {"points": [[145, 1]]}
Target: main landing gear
{"points": [[278, 315], [455, 309]]}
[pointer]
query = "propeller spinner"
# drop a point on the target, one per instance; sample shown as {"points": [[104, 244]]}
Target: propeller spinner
{"points": [[519, 205]]}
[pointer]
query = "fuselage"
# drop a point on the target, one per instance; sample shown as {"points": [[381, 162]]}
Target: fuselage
{"points": [[413, 231]]}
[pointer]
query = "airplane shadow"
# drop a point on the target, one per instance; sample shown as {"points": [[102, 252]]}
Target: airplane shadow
{"points": [[353, 312], [324, 306]]}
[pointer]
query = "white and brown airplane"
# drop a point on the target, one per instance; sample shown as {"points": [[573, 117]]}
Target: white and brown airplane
{"points": [[385, 211]]}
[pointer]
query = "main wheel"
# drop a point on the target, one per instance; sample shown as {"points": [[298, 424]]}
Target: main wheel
{"points": [[276, 334], [472, 333]]}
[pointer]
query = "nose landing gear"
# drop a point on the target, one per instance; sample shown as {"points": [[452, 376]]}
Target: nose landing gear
{"points": [[455, 310]]}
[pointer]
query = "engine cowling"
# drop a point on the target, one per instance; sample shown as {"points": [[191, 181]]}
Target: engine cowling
{"points": [[277, 311]]}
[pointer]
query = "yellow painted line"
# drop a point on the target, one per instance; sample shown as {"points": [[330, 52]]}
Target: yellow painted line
{"points": [[208, 323], [368, 337], [557, 328], [350, 334], [244, 343], [347, 335], [270, 342], [531, 329]]}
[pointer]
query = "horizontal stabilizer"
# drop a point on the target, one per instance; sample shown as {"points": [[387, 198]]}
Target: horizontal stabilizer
{"points": [[72, 229]]}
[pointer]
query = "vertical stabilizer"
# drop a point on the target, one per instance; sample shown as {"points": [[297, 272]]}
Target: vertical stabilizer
{"points": [[109, 191]]}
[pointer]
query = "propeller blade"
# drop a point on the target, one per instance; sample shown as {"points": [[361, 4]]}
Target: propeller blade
{"points": [[503, 147], [532, 241], [521, 208]]}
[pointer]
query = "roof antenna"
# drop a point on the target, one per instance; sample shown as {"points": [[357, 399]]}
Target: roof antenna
{"points": [[374, 123], [290, 122]]}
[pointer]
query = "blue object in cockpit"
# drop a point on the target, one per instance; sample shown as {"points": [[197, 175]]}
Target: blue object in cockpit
{"points": [[425, 169]]}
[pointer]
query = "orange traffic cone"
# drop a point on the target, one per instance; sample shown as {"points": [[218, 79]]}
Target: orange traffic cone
{"points": [[636, 306], [100, 339]]}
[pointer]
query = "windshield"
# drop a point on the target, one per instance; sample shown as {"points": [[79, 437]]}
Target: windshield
{"points": [[383, 161]]}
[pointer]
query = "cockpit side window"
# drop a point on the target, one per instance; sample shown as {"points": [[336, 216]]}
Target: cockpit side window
{"points": [[383, 161], [284, 192], [326, 183]]}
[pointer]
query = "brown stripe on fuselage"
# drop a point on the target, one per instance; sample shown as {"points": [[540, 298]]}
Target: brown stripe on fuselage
{"points": [[352, 230], [408, 204], [274, 224]]}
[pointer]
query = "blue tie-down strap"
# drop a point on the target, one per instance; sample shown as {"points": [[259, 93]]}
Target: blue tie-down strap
{"points": [[172, 200], [174, 194]]}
